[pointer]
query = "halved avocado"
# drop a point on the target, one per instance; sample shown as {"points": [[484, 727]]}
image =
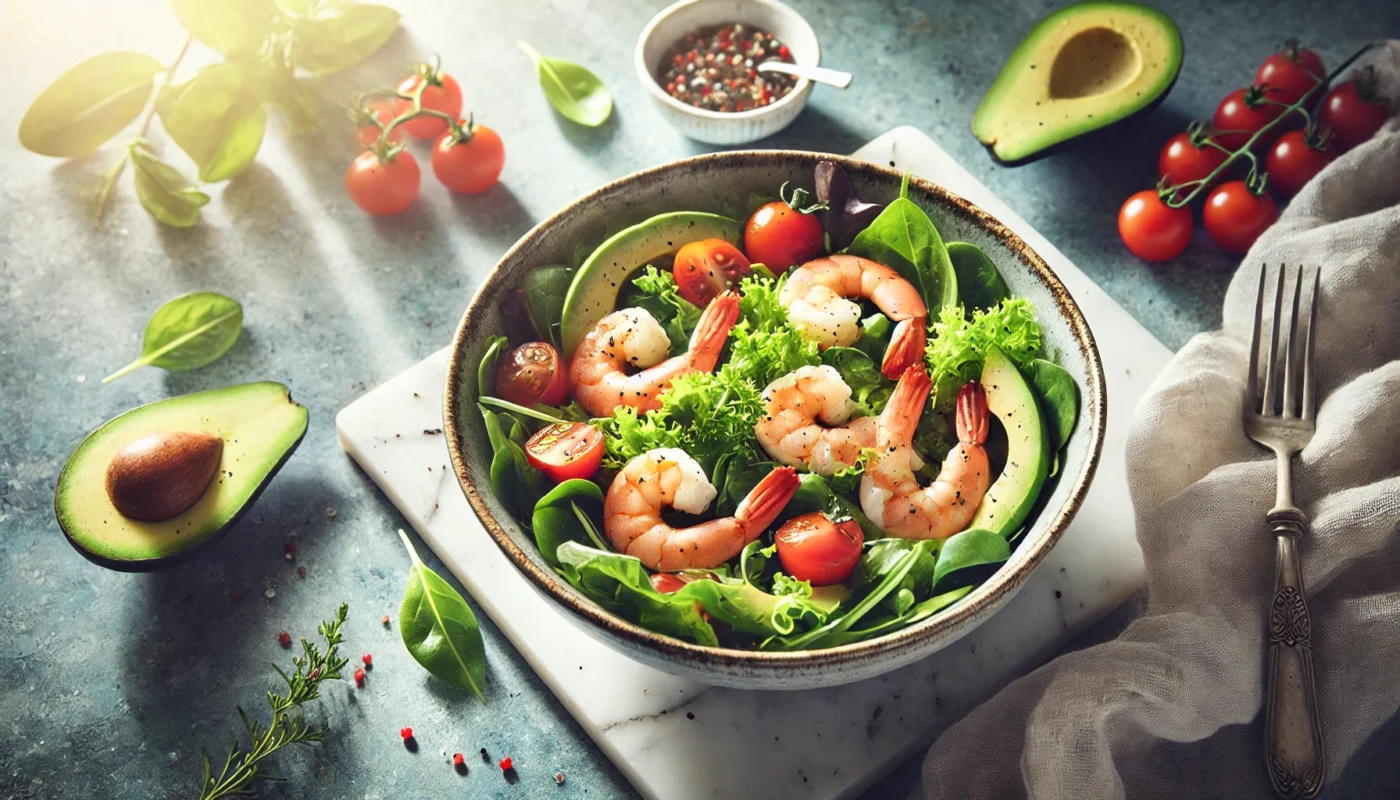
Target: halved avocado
{"points": [[1081, 69], [593, 293], [260, 426], [1010, 398]]}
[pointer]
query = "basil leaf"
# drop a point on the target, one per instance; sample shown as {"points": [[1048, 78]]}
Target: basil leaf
{"points": [[190, 331], [574, 92], [217, 118], [971, 548], [88, 104], [340, 36], [300, 106], [980, 285], [439, 628], [233, 27], [163, 191], [904, 238], [556, 518], [1058, 395]]}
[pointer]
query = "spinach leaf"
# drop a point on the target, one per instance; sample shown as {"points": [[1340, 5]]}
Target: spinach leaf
{"points": [[188, 332], [439, 628], [869, 389], [970, 548], [575, 93], [904, 238], [875, 331], [515, 483], [736, 483], [545, 290], [1058, 396], [89, 104], [980, 285], [621, 585], [486, 370], [560, 516]]}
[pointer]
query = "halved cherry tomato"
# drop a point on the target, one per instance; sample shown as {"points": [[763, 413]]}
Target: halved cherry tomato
{"points": [[1242, 118], [383, 188], [815, 549], [1151, 229], [1290, 73], [1293, 161], [381, 111], [779, 236], [706, 268], [532, 373], [666, 582], [1235, 217], [1353, 111], [1182, 161], [472, 165], [442, 94], [565, 450]]}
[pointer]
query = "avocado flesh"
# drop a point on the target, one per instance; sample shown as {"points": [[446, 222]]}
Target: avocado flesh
{"points": [[260, 426], [1009, 397], [593, 293], [1081, 69]]}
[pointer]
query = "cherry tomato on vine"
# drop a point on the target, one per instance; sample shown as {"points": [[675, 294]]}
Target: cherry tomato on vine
{"points": [[565, 450], [442, 94], [1292, 162], [1182, 161], [368, 133], [778, 236], [383, 188], [815, 549], [1290, 73], [472, 165], [706, 268], [1151, 229], [532, 373], [1354, 112], [1235, 114], [666, 582], [1235, 217]]}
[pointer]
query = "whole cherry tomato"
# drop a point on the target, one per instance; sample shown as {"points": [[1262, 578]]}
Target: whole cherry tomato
{"points": [[1235, 217], [779, 236], [565, 450], [1293, 162], [367, 131], [1290, 73], [1151, 229], [1353, 111], [381, 187], [1182, 161], [815, 549], [666, 582], [472, 165], [442, 94], [1242, 113], [532, 373], [706, 268]]}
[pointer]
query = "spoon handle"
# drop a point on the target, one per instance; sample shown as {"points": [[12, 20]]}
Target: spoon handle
{"points": [[830, 77]]}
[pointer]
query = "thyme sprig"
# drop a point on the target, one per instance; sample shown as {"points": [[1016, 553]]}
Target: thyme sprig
{"points": [[243, 766]]}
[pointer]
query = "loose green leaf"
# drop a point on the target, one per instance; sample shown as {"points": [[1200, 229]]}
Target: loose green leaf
{"points": [[621, 585], [556, 518], [439, 628], [904, 238], [980, 285], [163, 191], [88, 104], [217, 118], [1058, 395], [545, 290], [971, 548], [574, 92], [340, 36], [188, 332], [233, 27]]}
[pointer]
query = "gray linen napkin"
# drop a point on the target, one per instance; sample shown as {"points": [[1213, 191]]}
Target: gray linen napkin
{"points": [[1169, 708]]}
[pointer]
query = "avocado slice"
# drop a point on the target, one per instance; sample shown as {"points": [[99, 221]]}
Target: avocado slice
{"points": [[593, 293], [1081, 69], [1010, 398], [260, 427]]}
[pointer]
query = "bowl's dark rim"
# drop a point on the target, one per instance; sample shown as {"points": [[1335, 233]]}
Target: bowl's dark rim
{"points": [[979, 600]]}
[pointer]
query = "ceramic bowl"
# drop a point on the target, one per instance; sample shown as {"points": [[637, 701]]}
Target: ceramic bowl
{"points": [[715, 127], [714, 183]]}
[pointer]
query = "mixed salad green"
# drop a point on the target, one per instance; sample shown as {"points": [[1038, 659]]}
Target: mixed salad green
{"points": [[552, 463]]}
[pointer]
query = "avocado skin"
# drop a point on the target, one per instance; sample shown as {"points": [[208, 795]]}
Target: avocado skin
{"points": [[163, 562]]}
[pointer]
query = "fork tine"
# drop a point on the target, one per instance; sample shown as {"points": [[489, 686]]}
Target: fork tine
{"points": [[1251, 391], [1271, 366], [1309, 399], [1291, 350]]}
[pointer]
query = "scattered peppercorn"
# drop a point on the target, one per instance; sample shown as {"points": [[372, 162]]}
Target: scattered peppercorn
{"points": [[717, 69], [406, 733], [301, 572], [360, 678], [368, 659], [457, 760], [385, 620], [507, 765], [284, 639], [559, 779]]}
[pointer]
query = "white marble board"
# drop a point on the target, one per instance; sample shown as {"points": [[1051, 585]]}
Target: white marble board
{"points": [[675, 739]]}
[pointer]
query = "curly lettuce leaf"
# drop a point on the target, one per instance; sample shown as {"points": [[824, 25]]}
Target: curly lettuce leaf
{"points": [[655, 290], [959, 345]]}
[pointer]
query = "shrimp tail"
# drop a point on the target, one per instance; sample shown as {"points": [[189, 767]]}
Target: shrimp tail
{"points": [[707, 343], [972, 419], [906, 347], [767, 500], [905, 406]]}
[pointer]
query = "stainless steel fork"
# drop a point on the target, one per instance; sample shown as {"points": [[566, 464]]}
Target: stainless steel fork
{"points": [[1283, 420]]}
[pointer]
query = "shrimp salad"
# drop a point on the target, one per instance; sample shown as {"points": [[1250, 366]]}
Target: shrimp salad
{"points": [[810, 428]]}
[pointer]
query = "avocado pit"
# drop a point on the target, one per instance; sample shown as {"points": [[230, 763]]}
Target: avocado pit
{"points": [[160, 475]]}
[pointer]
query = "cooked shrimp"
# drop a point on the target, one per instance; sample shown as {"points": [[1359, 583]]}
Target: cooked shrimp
{"points": [[598, 376], [819, 298], [805, 421], [669, 477], [889, 494]]}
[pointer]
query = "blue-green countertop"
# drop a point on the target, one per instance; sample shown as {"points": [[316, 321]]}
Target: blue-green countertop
{"points": [[110, 684]]}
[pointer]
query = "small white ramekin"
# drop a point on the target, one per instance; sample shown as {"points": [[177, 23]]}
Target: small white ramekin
{"points": [[716, 127]]}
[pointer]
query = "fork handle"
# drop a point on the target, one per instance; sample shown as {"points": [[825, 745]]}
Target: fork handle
{"points": [[1293, 747]]}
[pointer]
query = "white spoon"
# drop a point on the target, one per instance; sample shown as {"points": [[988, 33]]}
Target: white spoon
{"points": [[830, 77]]}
